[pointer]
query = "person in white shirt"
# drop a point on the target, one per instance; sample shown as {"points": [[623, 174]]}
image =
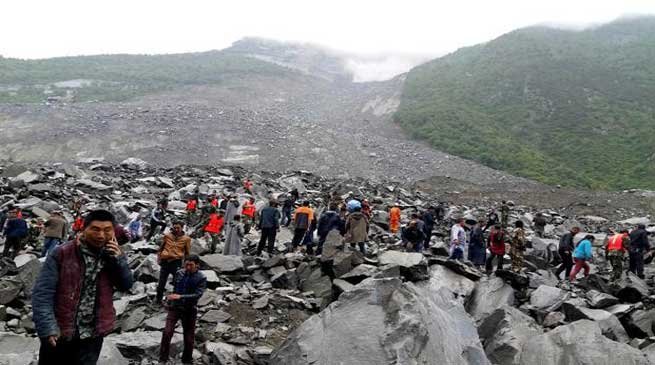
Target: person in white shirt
{"points": [[457, 240]]}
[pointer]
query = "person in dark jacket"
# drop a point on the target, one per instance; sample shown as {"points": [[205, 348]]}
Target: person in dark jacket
{"points": [[269, 225], [329, 220], [287, 208], [189, 285], [412, 237], [639, 246], [157, 219], [492, 219], [428, 220], [477, 251], [566, 247], [15, 231], [72, 299]]}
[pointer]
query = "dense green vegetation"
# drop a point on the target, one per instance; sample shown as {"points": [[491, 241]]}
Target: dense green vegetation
{"points": [[563, 107], [120, 77]]}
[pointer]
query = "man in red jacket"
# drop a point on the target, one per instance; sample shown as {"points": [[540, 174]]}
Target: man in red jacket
{"points": [[496, 244], [72, 300]]}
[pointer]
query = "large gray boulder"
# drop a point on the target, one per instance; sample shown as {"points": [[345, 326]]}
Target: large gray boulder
{"points": [[631, 289], [640, 323], [504, 332], [490, 294], [413, 265], [320, 284], [443, 277], [548, 298], [609, 324], [109, 355], [17, 350], [135, 345], [601, 300], [580, 342], [148, 270], [223, 264], [385, 321]]}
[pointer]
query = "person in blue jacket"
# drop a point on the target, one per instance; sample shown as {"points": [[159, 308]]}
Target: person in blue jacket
{"points": [[15, 231], [581, 256]]}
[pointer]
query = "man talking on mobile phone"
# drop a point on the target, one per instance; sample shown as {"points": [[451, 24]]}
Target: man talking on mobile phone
{"points": [[72, 298]]}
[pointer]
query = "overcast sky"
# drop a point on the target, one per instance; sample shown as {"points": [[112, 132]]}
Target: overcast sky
{"points": [[37, 29]]}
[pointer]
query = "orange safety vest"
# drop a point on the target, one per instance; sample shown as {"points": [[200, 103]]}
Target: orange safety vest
{"points": [[394, 215], [191, 204], [215, 224], [78, 225], [214, 203], [248, 209], [616, 243]]}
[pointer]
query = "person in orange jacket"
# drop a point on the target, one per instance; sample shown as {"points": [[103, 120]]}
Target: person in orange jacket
{"points": [[191, 210], [302, 220], [248, 212], [394, 219], [213, 227]]}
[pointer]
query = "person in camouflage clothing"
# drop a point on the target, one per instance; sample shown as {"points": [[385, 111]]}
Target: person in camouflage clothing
{"points": [[34, 231], [517, 247], [617, 246]]}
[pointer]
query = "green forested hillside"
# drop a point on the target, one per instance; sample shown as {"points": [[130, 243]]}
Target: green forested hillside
{"points": [[119, 77], [563, 107]]}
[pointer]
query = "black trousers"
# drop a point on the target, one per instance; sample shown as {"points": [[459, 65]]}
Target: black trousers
{"points": [[298, 235], [268, 235], [166, 268], [567, 264], [153, 228], [489, 263], [13, 244], [636, 263], [74, 352]]}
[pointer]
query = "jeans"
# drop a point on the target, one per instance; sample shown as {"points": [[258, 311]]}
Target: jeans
{"points": [[169, 267], [567, 264], [188, 317], [490, 259], [74, 352], [49, 244], [579, 264], [458, 254], [268, 235], [286, 217]]}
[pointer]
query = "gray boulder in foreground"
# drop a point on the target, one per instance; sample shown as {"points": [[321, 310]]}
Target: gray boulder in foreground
{"points": [[580, 342], [386, 321]]}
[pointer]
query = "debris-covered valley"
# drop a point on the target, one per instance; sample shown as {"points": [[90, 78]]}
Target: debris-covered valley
{"points": [[387, 306]]}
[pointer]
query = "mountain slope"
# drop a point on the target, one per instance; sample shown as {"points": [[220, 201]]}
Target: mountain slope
{"points": [[562, 107], [121, 77]]}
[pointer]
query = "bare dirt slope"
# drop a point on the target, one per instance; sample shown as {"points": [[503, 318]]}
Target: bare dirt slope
{"points": [[285, 123]]}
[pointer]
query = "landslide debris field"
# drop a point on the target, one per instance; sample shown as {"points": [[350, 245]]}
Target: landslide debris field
{"points": [[388, 306]]}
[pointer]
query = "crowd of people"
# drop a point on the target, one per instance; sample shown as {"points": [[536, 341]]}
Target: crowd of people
{"points": [[85, 262]]}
